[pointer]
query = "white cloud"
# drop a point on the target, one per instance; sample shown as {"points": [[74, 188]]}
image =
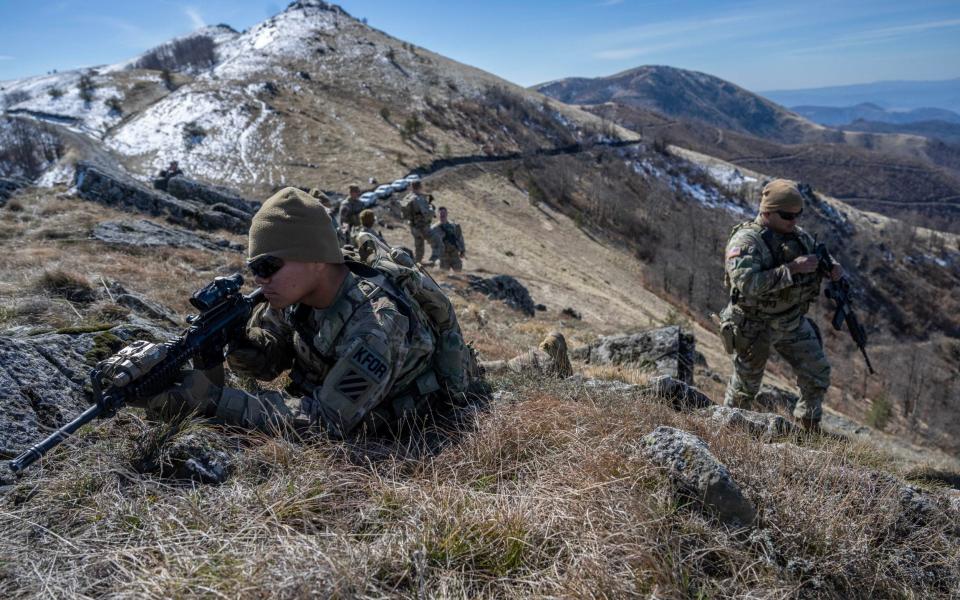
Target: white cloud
{"points": [[195, 19], [875, 36]]}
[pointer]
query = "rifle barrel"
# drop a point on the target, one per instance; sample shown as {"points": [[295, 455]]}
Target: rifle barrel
{"points": [[34, 453]]}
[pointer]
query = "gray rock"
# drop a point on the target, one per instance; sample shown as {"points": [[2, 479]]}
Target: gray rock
{"points": [[42, 381], [698, 475], [198, 455], [665, 351], [774, 398], [762, 425], [9, 186], [683, 397], [147, 308], [112, 187], [189, 189], [141, 233], [506, 288]]}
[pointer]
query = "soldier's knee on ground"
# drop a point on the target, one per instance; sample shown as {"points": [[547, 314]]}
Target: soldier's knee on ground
{"points": [[267, 411]]}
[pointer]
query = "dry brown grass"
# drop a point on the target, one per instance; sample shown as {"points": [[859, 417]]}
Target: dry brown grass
{"points": [[543, 495]]}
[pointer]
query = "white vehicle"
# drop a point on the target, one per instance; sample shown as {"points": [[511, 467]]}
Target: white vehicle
{"points": [[368, 199], [412, 178], [399, 185], [383, 191]]}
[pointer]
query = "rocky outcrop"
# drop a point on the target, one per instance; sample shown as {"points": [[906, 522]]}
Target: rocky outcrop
{"points": [[212, 195], [142, 233], [698, 475], [681, 396], [114, 188], [665, 351], [9, 186], [506, 288], [761, 425]]}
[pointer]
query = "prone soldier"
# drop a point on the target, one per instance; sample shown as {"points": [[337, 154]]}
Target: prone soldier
{"points": [[365, 347]]}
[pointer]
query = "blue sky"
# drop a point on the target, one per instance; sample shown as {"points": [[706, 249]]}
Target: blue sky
{"points": [[759, 45]]}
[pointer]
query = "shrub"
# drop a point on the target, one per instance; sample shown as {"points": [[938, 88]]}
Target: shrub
{"points": [[192, 52], [167, 78], [86, 86], [55, 93], [412, 127], [115, 106], [66, 285], [880, 412], [193, 134], [385, 114]]}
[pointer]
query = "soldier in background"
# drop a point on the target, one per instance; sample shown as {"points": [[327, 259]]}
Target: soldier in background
{"points": [[417, 209], [164, 176], [350, 212], [772, 274], [448, 240]]}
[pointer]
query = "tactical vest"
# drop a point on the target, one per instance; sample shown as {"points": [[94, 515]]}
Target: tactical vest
{"points": [[776, 250], [450, 240], [454, 361]]}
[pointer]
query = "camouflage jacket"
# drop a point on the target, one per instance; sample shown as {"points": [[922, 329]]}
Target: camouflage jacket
{"points": [[367, 357], [757, 275], [350, 213], [419, 210], [449, 236]]}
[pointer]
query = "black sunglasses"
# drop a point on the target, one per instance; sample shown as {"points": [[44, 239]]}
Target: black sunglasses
{"points": [[789, 216], [265, 267]]}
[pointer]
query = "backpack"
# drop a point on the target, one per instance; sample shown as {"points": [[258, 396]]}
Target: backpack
{"points": [[454, 361]]}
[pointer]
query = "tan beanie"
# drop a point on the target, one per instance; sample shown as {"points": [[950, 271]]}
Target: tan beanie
{"points": [[367, 217], [781, 194], [293, 225]]}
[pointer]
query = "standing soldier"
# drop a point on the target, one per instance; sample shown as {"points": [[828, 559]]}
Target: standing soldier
{"points": [[350, 213], [448, 238], [417, 209], [771, 272], [366, 238]]}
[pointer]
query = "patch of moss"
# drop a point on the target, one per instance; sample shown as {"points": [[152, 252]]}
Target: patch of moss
{"points": [[84, 328], [105, 344]]}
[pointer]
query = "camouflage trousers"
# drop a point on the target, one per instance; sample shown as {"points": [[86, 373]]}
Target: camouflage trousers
{"points": [[420, 236], [450, 259], [799, 345]]}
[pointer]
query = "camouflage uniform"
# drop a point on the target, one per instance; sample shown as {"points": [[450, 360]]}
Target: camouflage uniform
{"points": [[767, 310], [350, 215], [419, 213], [448, 238]]}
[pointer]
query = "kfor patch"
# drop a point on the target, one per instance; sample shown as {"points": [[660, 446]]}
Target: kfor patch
{"points": [[370, 363]]}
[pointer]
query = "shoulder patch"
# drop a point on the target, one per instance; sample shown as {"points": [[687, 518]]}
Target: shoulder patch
{"points": [[370, 363], [353, 385]]}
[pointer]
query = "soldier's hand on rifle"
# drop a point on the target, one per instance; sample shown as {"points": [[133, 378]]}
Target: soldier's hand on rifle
{"points": [[807, 263], [130, 363], [836, 273]]}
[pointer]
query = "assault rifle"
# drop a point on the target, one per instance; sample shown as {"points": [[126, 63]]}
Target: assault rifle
{"points": [[839, 292], [223, 313]]}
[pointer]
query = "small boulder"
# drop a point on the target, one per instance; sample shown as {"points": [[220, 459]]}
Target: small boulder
{"points": [[666, 351], [762, 425], [683, 397], [698, 475], [506, 288]]}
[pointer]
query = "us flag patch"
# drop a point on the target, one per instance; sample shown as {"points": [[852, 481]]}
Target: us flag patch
{"points": [[353, 385]]}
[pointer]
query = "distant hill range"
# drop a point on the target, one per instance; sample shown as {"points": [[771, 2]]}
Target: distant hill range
{"points": [[835, 116], [890, 95], [909, 170], [684, 94]]}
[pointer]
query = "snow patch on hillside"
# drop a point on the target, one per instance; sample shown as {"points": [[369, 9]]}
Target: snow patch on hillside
{"points": [[227, 144]]}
